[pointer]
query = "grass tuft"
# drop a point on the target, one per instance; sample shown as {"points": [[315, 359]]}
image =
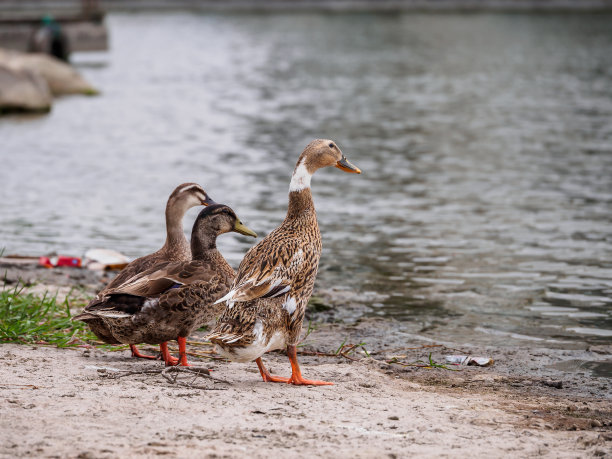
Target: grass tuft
{"points": [[26, 318], [91, 92]]}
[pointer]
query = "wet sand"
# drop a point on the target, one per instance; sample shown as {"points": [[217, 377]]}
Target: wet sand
{"points": [[69, 403], [90, 403]]}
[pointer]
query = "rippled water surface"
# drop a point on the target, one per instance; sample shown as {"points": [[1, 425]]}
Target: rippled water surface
{"points": [[484, 213]]}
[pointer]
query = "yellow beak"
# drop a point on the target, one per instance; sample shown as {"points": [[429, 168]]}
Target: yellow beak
{"points": [[240, 228], [345, 166]]}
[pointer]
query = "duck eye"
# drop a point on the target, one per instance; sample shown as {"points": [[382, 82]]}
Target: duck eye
{"points": [[331, 145]]}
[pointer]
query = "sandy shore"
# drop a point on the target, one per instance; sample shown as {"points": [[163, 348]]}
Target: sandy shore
{"points": [[91, 403]]}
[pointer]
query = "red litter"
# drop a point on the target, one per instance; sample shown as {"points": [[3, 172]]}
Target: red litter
{"points": [[61, 260]]}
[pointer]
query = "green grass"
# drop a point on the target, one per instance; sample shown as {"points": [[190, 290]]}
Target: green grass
{"points": [[26, 318], [91, 92]]}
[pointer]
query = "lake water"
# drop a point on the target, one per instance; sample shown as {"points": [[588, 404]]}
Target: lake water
{"points": [[484, 211]]}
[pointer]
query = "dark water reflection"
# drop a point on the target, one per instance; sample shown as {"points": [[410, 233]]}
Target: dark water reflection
{"points": [[484, 212]]}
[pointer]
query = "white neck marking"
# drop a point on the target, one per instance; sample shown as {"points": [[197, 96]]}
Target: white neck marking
{"points": [[300, 178]]}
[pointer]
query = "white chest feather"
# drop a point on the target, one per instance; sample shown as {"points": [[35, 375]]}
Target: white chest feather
{"points": [[300, 178], [290, 305], [258, 331], [260, 345]]}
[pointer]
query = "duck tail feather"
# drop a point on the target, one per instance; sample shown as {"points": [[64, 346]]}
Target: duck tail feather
{"points": [[225, 338]]}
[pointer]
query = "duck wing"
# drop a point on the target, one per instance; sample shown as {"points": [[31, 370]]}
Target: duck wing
{"points": [[113, 305], [157, 286], [165, 276], [197, 295], [269, 269]]}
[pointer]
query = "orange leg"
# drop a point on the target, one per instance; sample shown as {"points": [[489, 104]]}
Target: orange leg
{"points": [[170, 361], [182, 351], [265, 374], [296, 374], [136, 353]]}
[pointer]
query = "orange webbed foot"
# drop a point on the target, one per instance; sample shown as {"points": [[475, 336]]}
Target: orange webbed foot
{"points": [[299, 381], [265, 374], [296, 374], [272, 378], [136, 354]]}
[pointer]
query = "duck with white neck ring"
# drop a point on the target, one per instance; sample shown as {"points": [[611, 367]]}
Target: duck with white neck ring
{"points": [[267, 300]]}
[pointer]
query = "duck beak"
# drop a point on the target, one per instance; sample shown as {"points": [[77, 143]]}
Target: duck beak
{"points": [[208, 202], [240, 228], [345, 166]]}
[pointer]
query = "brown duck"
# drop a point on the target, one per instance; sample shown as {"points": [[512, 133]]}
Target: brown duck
{"points": [[175, 249], [171, 299], [267, 301]]}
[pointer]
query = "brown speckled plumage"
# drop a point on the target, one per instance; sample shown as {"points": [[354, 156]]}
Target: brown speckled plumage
{"points": [[287, 258], [267, 301], [172, 298], [157, 317], [175, 249]]}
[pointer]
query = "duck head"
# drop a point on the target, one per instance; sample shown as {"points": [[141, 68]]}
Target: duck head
{"points": [[319, 153], [218, 219], [188, 195]]}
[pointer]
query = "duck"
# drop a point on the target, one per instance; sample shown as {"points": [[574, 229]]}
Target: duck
{"points": [[266, 303], [170, 300], [175, 249]]}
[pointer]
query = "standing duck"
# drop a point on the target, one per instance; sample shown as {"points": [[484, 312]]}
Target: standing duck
{"points": [[175, 249], [267, 301], [171, 299]]}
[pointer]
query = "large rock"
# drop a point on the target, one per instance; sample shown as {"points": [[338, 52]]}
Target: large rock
{"points": [[23, 90], [61, 77]]}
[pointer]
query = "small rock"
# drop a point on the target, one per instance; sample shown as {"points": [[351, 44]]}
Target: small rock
{"points": [[23, 90], [555, 384], [61, 77], [605, 349]]}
